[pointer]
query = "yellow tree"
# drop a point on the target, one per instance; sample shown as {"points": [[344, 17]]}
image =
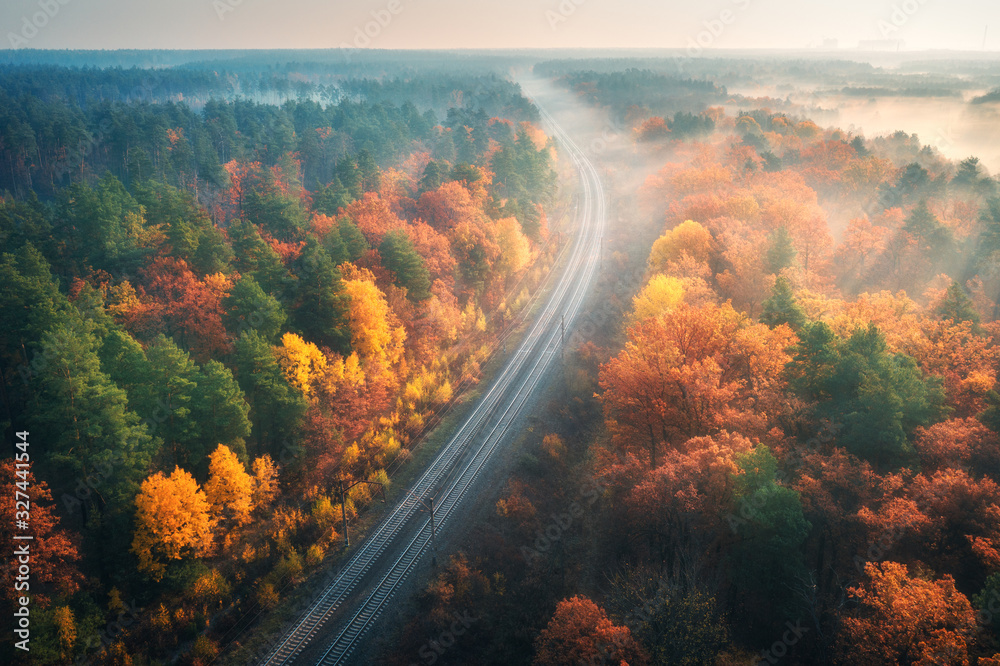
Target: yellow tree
{"points": [[65, 623], [688, 238], [515, 249], [265, 481], [661, 294], [373, 335], [172, 521], [302, 362], [229, 489]]}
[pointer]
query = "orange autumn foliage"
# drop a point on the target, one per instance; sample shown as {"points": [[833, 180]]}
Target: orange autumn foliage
{"points": [[229, 489], [965, 357], [171, 298], [374, 217], [950, 517], [580, 632], [684, 493], [905, 620], [696, 372], [958, 442], [450, 206], [53, 551], [434, 248], [173, 521]]}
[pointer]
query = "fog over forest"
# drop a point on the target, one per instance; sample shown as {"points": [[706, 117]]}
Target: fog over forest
{"points": [[542, 356]]}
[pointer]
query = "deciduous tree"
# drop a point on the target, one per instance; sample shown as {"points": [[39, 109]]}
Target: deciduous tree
{"points": [[699, 370], [905, 620], [54, 554], [229, 489], [580, 631], [173, 521], [689, 238], [660, 295]]}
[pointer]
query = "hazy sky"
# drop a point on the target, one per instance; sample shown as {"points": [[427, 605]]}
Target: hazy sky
{"points": [[181, 24]]}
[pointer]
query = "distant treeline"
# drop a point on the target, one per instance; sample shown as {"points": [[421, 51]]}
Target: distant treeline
{"points": [[58, 125]]}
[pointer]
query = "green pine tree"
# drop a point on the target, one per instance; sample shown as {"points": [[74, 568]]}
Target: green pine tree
{"points": [[782, 308], [780, 251], [247, 306], [275, 407], [320, 304], [957, 306], [400, 257], [90, 433]]}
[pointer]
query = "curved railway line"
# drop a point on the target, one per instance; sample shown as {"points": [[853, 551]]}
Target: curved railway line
{"points": [[335, 624]]}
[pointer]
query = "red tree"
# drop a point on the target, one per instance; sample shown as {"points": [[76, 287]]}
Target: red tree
{"points": [[580, 632], [53, 553], [904, 620], [174, 301]]}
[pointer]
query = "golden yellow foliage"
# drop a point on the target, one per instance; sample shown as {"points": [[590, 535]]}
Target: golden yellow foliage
{"points": [[314, 555], [218, 283], [267, 596], [172, 521], [661, 294], [115, 602], [122, 299], [515, 249], [65, 623], [781, 125], [161, 621], [747, 125], [896, 315], [688, 238], [302, 362], [204, 650], [265, 481], [210, 590], [284, 525], [427, 387], [369, 318], [808, 130], [229, 489], [743, 207], [323, 513], [353, 374]]}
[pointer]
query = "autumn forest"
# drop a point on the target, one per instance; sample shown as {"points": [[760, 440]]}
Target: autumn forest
{"points": [[244, 305]]}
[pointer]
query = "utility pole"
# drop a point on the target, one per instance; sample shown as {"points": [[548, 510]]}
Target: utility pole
{"points": [[343, 503], [434, 548], [343, 513], [429, 505]]}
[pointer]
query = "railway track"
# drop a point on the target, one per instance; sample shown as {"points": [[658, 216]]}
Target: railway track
{"points": [[335, 625]]}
